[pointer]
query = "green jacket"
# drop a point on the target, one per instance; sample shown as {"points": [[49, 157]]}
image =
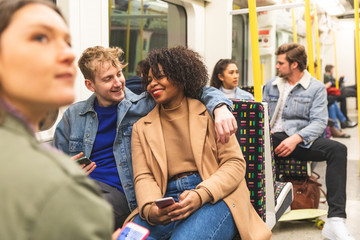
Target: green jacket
{"points": [[43, 194]]}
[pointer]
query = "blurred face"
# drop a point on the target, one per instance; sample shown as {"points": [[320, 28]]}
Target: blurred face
{"points": [[164, 91], [283, 66], [230, 76], [37, 69], [332, 70], [109, 85]]}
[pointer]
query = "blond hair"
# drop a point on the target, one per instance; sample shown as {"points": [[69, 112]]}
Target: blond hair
{"points": [[93, 58]]}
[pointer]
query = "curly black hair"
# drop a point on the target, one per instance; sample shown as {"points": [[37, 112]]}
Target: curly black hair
{"points": [[182, 66]]}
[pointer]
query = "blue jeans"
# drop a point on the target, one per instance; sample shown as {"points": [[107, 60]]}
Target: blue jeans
{"points": [[211, 221], [336, 114]]}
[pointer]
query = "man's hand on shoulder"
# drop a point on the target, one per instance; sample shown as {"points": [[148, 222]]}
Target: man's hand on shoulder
{"points": [[225, 124], [287, 146]]}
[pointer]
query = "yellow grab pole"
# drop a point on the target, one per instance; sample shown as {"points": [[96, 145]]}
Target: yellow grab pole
{"points": [[309, 37], [110, 10], [255, 50], [356, 9], [318, 69], [128, 38], [335, 60], [142, 29], [294, 25], [262, 74]]}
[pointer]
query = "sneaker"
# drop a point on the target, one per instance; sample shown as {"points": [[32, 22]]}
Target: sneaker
{"points": [[335, 229]]}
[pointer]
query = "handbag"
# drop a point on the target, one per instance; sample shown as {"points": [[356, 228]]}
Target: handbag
{"points": [[306, 192], [333, 91]]}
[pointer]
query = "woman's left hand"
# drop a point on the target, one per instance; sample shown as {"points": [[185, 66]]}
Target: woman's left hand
{"points": [[189, 202]]}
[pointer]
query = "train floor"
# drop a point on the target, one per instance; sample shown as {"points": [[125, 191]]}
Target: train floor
{"points": [[307, 230]]}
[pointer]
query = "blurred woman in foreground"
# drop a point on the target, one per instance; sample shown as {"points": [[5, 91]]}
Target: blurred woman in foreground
{"points": [[43, 194]]}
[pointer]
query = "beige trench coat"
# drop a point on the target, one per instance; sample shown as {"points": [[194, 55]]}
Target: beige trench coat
{"points": [[221, 166]]}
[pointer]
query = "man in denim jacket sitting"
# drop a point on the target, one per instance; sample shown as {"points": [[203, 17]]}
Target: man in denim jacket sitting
{"points": [[101, 126], [298, 113]]}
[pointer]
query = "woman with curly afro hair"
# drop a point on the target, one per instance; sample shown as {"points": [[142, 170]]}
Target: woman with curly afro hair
{"points": [[183, 66], [176, 154]]}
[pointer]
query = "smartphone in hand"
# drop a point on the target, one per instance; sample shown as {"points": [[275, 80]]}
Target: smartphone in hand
{"points": [[164, 202], [133, 231], [83, 160]]}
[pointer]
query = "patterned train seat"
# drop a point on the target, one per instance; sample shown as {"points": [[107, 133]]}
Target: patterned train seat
{"points": [[269, 198], [289, 167], [250, 136]]}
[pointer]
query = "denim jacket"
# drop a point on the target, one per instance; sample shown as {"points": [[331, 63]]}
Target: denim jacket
{"points": [[305, 111], [77, 130], [241, 94]]}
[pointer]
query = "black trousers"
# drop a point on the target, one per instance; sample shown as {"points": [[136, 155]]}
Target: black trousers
{"points": [[346, 91], [335, 155], [118, 202]]}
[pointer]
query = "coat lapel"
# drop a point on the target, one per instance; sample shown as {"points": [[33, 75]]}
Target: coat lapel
{"points": [[198, 124], [154, 137]]}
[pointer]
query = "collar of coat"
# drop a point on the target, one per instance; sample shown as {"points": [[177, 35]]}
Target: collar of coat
{"points": [[304, 81], [198, 124], [130, 98]]}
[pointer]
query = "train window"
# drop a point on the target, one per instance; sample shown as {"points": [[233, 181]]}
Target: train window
{"points": [[240, 46], [138, 26]]}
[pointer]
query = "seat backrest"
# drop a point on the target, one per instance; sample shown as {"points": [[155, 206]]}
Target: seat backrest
{"points": [[249, 89], [250, 134]]}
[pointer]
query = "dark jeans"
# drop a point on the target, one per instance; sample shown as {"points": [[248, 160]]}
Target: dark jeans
{"points": [[335, 155], [118, 202], [346, 91]]}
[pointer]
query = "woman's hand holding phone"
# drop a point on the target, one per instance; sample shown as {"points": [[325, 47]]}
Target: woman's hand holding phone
{"points": [[159, 211], [189, 202]]}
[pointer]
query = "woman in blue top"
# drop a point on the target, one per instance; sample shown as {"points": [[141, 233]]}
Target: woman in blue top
{"points": [[225, 77]]}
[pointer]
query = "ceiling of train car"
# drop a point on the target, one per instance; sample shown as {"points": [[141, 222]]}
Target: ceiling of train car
{"points": [[338, 8], [349, 10]]}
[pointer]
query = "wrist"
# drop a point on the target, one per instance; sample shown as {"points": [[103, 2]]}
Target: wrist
{"points": [[149, 217], [298, 138], [221, 105]]}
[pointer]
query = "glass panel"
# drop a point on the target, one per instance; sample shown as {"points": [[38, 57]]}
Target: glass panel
{"points": [[239, 46], [138, 26]]}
